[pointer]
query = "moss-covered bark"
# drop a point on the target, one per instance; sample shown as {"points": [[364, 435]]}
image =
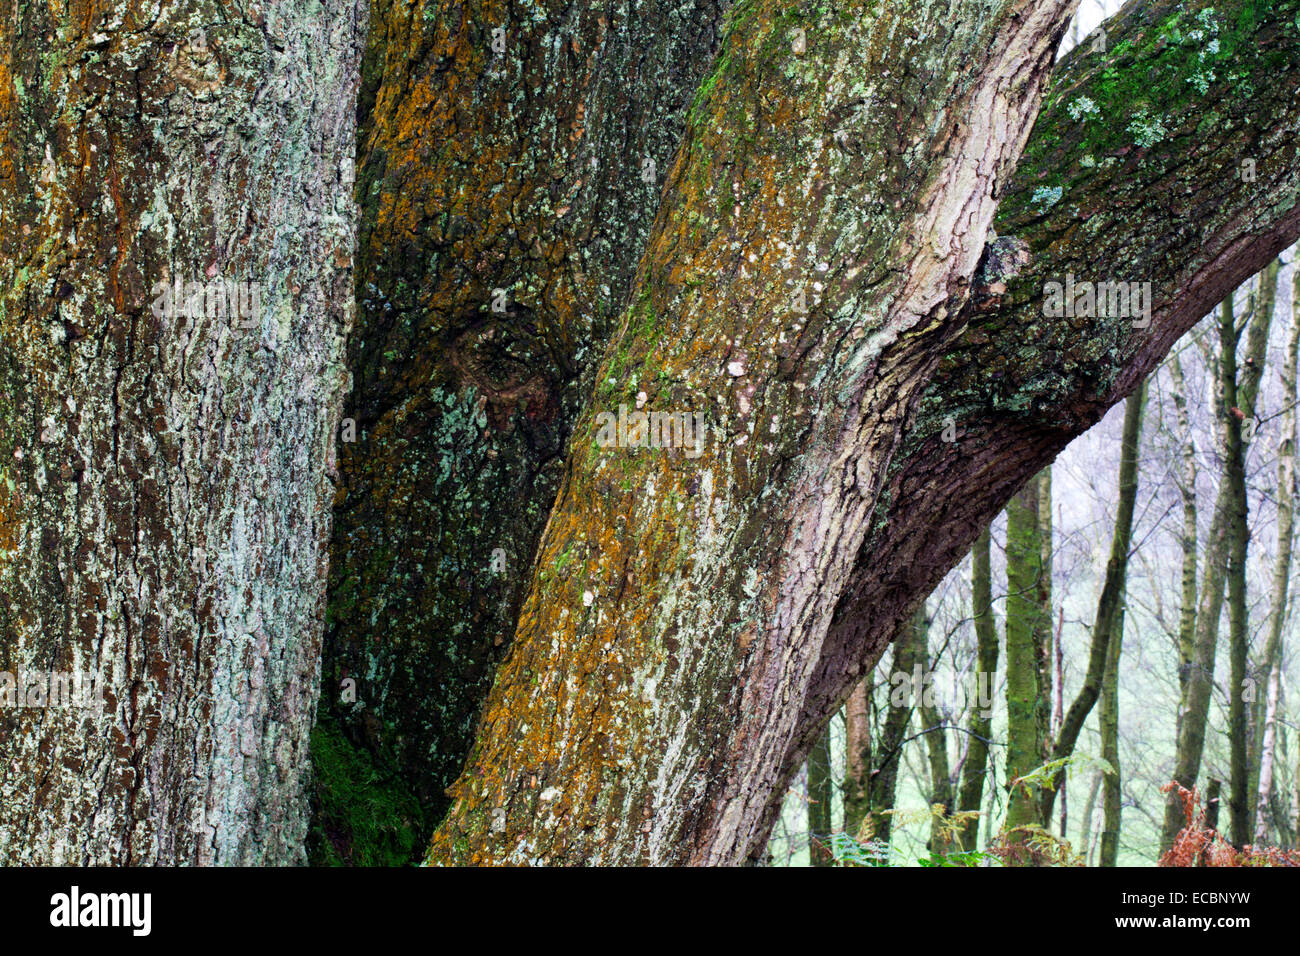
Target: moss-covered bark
{"points": [[505, 198], [645, 710], [165, 482], [1027, 620]]}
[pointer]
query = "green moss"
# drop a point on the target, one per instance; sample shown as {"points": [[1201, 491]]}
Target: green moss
{"points": [[361, 814]]}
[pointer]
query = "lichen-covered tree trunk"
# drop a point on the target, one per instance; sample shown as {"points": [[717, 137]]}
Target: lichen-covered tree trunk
{"points": [[1016, 406], [1027, 620], [164, 477], [825, 213], [980, 729], [510, 165]]}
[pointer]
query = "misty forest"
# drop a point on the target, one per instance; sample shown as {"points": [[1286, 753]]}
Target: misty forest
{"points": [[649, 432]]}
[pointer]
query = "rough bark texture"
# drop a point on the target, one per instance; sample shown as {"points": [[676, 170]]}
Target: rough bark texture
{"points": [[647, 706], [1137, 202], [505, 202], [164, 489]]}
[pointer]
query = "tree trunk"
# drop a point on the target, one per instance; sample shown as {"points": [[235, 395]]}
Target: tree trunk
{"points": [[819, 802], [1109, 605], [683, 592], [1265, 821], [857, 757], [1187, 540], [165, 475], [980, 729], [693, 769], [1112, 795], [1235, 391], [505, 201], [934, 726], [1027, 621], [893, 732], [1013, 407]]}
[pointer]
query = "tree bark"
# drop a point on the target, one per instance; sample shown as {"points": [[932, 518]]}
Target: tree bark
{"points": [[696, 592], [505, 201], [1083, 382], [165, 481]]}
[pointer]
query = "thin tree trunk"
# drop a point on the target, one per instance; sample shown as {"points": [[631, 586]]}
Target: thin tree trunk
{"points": [[1242, 801], [1110, 603], [1190, 743], [1281, 584], [936, 741], [857, 757], [1089, 809], [1026, 622], [980, 727], [889, 749], [1112, 799], [1188, 537], [819, 802]]}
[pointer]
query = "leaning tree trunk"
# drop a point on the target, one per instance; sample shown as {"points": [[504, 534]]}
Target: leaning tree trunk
{"points": [[164, 477], [509, 170], [681, 593], [675, 762], [1092, 197]]}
